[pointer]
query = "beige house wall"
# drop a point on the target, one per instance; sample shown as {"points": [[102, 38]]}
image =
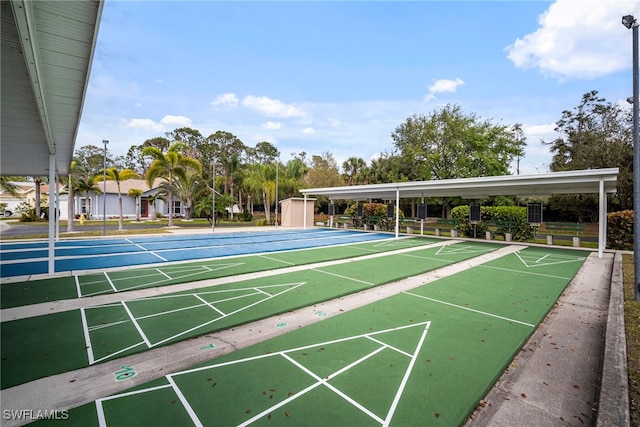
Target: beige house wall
{"points": [[292, 212]]}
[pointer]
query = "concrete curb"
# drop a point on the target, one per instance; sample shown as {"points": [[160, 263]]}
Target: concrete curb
{"points": [[613, 406]]}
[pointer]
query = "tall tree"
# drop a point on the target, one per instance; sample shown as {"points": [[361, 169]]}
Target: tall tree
{"points": [[352, 168], [323, 171], [448, 143], [169, 165], [117, 175], [596, 134], [188, 188], [137, 193]]}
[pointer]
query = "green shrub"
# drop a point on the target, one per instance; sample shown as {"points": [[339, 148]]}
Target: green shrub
{"points": [[620, 230], [521, 232], [246, 215], [371, 209]]}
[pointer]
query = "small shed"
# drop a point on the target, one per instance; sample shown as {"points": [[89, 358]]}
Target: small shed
{"points": [[297, 212]]}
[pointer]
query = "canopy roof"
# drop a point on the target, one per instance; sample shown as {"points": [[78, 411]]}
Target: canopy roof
{"points": [[571, 182], [47, 49]]}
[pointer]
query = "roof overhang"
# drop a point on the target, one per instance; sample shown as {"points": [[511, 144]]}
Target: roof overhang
{"points": [[571, 182], [47, 49]]}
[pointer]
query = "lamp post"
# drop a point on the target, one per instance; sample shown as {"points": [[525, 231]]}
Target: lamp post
{"points": [[632, 23], [213, 196], [277, 163], [104, 192]]}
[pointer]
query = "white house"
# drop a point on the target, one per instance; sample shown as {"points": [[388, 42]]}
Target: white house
{"points": [[95, 204]]}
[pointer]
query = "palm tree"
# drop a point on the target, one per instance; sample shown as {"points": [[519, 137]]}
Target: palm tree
{"points": [[85, 185], [114, 174], [136, 192], [187, 188], [261, 179], [169, 166]]}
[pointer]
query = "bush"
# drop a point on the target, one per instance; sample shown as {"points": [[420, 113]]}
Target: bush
{"points": [[620, 230], [521, 232], [371, 209], [246, 215]]}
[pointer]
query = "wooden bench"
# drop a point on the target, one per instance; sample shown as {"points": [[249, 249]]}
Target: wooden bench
{"points": [[564, 228], [372, 222], [500, 227], [345, 221], [450, 224], [409, 223]]}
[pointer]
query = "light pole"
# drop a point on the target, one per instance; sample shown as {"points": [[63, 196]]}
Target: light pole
{"points": [[277, 162], [104, 192], [632, 23], [213, 196]]}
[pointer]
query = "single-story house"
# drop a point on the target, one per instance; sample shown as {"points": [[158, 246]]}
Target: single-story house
{"points": [[95, 204], [26, 193]]}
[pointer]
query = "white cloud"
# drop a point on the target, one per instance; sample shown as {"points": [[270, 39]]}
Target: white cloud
{"points": [[443, 85], [143, 124], [271, 107], [179, 121], [272, 125], [166, 122], [226, 99], [577, 40], [308, 131]]}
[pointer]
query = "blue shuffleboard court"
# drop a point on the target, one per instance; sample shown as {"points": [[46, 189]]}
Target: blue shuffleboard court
{"points": [[25, 259]]}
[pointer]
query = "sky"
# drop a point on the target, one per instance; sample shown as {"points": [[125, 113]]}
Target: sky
{"points": [[341, 76]]}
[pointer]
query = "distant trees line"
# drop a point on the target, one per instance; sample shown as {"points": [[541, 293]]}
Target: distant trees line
{"points": [[445, 143]]}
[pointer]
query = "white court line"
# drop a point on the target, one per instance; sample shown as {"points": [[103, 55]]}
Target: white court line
{"points": [[136, 244], [156, 255], [470, 309], [389, 346], [110, 282], [277, 260], [262, 292], [407, 373], [194, 418], [163, 273], [526, 272], [542, 258], [106, 325], [87, 338], [77, 280], [280, 405], [305, 347], [135, 323], [325, 381], [209, 304], [226, 315], [110, 355], [343, 277]]}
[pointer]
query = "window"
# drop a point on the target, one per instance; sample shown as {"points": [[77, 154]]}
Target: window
{"points": [[177, 207], [85, 205]]}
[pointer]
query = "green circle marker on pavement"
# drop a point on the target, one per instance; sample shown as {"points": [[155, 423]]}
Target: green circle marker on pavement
{"points": [[281, 325], [320, 313]]}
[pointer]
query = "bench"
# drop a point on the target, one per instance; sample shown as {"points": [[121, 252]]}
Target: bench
{"points": [[372, 222], [409, 223], [564, 228], [345, 221], [500, 227], [450, 224]]}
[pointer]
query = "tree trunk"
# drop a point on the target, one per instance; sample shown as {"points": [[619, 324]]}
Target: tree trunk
{"points": [[70, 208], [120, 221]]}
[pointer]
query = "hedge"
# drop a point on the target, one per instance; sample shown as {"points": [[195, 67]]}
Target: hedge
{"points": [[620, 230], [521, 232]]}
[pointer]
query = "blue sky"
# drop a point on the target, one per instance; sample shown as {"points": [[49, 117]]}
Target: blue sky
{"points": [[341, 76]]}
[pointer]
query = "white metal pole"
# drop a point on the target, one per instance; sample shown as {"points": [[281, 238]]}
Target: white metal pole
{"points": [[104, 192], [213, 196], [51, 249]]}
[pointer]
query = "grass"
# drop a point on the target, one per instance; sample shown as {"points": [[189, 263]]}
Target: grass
{"points": [[632, 329]]}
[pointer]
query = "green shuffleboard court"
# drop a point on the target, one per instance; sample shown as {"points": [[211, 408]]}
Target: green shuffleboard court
{"points": [[36, 347], [85, 285], [422, 357]]}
